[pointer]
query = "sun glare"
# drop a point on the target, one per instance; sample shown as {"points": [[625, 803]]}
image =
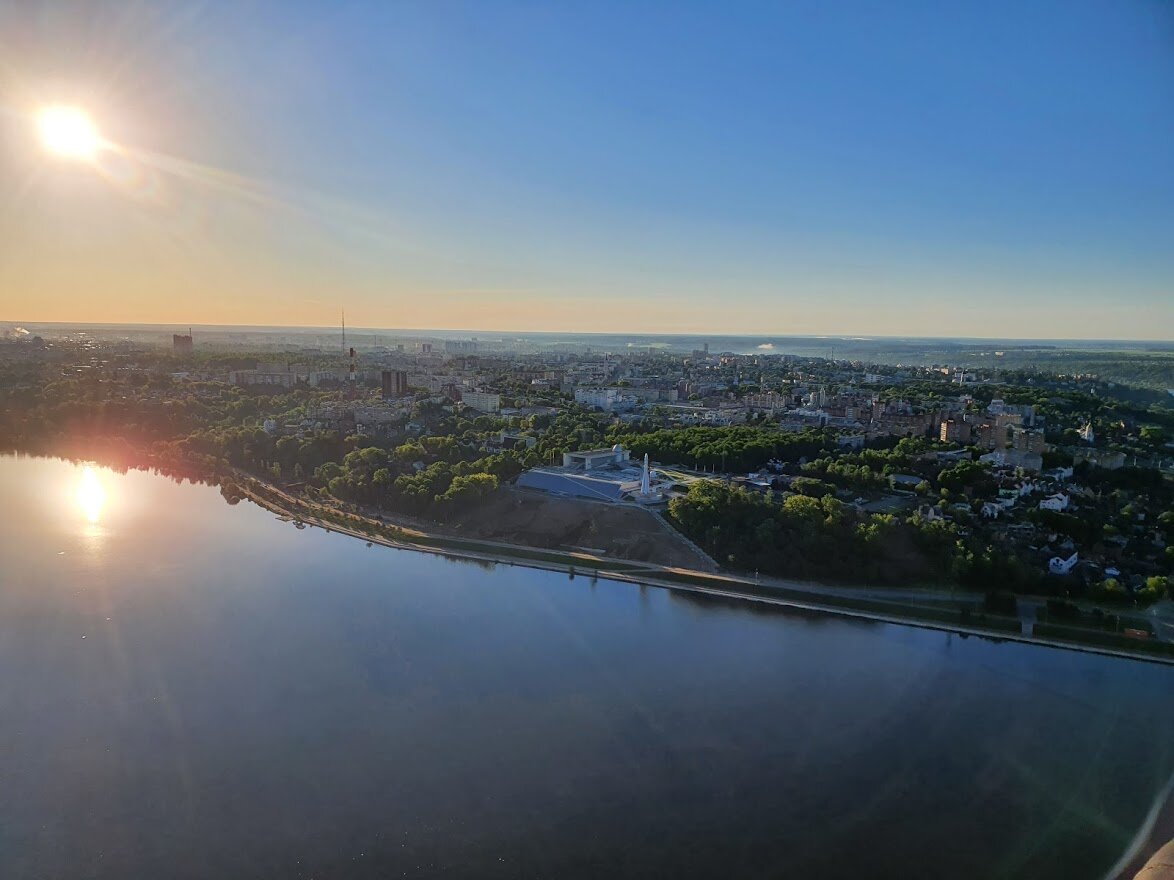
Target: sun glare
{"points": [[69, 132], [91, 494]]}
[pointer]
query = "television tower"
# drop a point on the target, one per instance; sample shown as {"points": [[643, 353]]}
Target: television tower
{"points": [[351, 363]]}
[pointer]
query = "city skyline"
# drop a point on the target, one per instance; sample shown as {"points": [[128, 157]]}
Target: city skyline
{"points": [[352, 331], [999, 173]]}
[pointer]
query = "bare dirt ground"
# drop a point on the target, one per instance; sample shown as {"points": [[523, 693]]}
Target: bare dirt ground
{"points": [[550, 522]]}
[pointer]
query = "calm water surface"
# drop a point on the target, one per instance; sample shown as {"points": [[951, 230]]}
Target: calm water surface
{"points": [[189, 689]]}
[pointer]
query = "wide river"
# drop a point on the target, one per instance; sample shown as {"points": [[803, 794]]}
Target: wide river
{"points": [[192, 689]]}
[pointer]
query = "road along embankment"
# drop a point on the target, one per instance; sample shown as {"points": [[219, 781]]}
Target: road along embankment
{"points": [[933, 613]]}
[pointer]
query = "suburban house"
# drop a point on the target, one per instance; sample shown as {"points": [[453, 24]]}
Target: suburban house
{"points": [[1059, 501]]}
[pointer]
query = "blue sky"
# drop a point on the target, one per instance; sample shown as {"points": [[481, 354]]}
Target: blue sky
{"points": [[999, 169]]}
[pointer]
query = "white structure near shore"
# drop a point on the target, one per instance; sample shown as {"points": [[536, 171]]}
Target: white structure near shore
{"points": [[597, 474]]}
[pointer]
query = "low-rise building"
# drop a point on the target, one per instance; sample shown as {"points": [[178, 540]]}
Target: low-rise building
{"points": [[930, 513], [286, 378], [594, 459], [510, 440], [1102, 458], [1056, 502], [596, 474], [604, 398]]}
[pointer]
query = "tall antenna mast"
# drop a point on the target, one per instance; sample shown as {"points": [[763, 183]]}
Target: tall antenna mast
{"points": [[344, 332]]}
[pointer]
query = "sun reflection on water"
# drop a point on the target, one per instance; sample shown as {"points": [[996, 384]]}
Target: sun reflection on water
{"points": [[91, 494]]}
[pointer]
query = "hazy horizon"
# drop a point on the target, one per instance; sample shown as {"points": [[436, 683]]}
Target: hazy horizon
{"points": [[466, 332], [996, 171]]}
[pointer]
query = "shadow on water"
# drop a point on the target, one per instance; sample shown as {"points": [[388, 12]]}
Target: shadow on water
{"points": [[483, 564], [715, 602], [766, 609]]}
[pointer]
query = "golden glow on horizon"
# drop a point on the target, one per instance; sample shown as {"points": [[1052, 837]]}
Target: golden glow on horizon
{"points": [[224, 248], [69, 132], [91, 494]]}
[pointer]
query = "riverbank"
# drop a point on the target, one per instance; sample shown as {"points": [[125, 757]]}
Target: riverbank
{"points": [[959, 615], [545, 521], [513, 688]]}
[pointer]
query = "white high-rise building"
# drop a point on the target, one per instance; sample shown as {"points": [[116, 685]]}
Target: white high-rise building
{"points": [[482, 401]]}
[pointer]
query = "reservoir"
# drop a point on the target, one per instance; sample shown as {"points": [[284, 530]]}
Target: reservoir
{"points": [[193, 689]]}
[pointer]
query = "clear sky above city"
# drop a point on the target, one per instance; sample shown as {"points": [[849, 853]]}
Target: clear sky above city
{"points": [[917, 168]]}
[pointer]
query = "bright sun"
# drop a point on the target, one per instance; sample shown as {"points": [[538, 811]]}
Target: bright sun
{"points": [[91, 494], [69, 132]]}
